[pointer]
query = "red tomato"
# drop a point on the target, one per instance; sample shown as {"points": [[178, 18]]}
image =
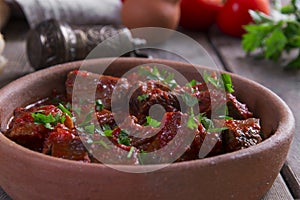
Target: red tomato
{"points": [[235, 14], [199, 14]]}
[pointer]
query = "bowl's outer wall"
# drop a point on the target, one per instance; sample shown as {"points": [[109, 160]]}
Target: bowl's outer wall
{"points": [[246, 174]]}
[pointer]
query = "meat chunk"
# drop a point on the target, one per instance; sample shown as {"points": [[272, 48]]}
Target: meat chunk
{"points": [[24, 131], [236, 109], [241, 134], [104, 85], [218, 98], [64, 143], [205, 144], [111, 150], [139, 134], [105, 117], [149, 94]]}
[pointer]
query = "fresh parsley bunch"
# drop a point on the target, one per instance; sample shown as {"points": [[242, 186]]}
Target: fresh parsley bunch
{"points": [[275, 35]]}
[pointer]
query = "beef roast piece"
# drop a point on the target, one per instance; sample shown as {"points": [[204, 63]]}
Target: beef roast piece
{"points": [[205, 144], [241, 134], [105, 117], [149, 94], [108, 150], [218, 98], [171, 124], [104, 85], [236, 109], [173, 142], [64, 143], [139, 134], [24, 131]]}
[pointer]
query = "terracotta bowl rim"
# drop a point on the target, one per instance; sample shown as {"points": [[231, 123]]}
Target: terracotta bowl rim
{"points": [[284, 130]]}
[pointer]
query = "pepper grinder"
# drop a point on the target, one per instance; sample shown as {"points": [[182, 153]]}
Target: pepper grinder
{"points": [[53, 42]]}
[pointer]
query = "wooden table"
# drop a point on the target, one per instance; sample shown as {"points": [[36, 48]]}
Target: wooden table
{"points": [[228, 55]]}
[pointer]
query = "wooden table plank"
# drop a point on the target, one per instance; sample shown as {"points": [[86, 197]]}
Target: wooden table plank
{"points": [[3, 195], [278, 191], [284, 83]]}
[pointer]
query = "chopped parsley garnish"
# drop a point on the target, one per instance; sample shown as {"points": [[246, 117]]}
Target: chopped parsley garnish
{"points": [[108, 133], [226, 116], [49, 121], [191, 123], [217, 83], [209, 79], [163, 76], [152, 122], [190, 100], [215, 130], [106, 130], [99, 105], [123, 138], [209, 125], [87, 119], [142, 97], [129, 155], [101, 142], [227, 83], [141, 157], [192, 83], [65, 110], [90, 128]]}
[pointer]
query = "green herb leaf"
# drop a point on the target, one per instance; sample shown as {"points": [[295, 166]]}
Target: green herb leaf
{"points": [[227, 83], [163, 76], [90, 128], [48, 126], [63, 119], [46, 120], [129, 155], [294, 64], [142, 155], [288, 9], [65, 110], [142, 97], [260, 17], [217, 83], [273, 36], [215, 130], [101, 142], [87, 119], [189, 100], [207, 123], [152, 122], [275, 43], [99, 105], [192, 83], [209, 79], [123, 138], [108, 133], [191, 123]]}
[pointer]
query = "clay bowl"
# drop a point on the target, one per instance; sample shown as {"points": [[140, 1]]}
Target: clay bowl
{"points": [[244, 174]]}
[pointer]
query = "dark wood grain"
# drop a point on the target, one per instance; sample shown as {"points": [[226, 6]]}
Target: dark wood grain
{"points": [[278, 191], [284, 83]]}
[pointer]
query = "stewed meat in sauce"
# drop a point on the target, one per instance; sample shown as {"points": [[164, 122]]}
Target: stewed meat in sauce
{"points": [[57, 128]]}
